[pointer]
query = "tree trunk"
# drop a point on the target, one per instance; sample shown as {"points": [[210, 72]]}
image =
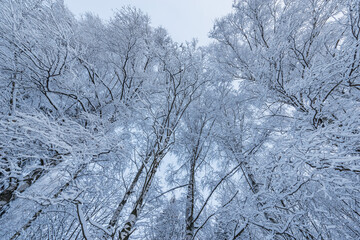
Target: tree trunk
{"points": [[126, 231], [121, 205], [190, 201], [13, 97]]}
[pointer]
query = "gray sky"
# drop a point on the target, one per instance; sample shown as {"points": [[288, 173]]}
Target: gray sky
{"points": [[184, 19]]}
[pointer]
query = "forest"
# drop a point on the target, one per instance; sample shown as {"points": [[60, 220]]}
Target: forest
{"points": [[112, 130]]}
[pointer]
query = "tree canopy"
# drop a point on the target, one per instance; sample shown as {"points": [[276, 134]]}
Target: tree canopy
{"points": [[112, 130]]}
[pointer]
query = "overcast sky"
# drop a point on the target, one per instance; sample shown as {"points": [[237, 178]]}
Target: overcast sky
{"points": [[184, 19]]}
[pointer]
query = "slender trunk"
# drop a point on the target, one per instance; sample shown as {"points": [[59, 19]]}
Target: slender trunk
{"points": [[13, 97], [14, 76], [127, 230], [130, 190], [190, 201], [116, 215]]}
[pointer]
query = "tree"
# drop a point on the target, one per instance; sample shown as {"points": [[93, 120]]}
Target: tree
{"points": [[292, 56]]}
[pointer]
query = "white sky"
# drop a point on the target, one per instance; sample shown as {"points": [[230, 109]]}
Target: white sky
{"points": [[184, 19]]}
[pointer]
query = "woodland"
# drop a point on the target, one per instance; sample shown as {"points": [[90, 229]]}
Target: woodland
{"points": [[112, 130]]}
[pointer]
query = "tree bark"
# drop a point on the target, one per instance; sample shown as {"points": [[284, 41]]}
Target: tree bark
{"points": [[126, 231], [190, 201], [121, 205]]}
